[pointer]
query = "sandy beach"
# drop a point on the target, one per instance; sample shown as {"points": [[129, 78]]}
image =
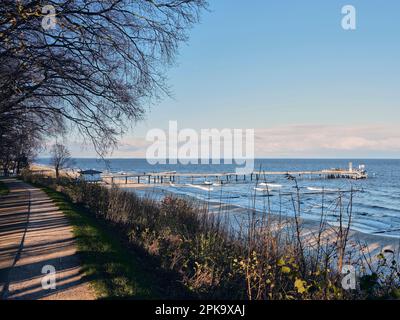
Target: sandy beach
{"points": [[372, 244], [50, 171], [71, 173]]}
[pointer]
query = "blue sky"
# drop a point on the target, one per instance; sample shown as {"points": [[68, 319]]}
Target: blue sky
{"points": [[279, 65]]}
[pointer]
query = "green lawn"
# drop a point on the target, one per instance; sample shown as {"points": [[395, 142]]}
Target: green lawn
{"points": [[114, 270], [3, 189]]}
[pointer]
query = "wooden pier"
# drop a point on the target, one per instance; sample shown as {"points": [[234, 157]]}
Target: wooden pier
{"points": [[173, 177]]}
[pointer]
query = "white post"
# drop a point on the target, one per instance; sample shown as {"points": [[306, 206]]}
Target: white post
{"points": [[350, 166]]}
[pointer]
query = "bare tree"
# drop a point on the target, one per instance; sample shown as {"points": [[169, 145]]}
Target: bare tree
{"points": [[104, 61], [20, 141], [60, 157]]}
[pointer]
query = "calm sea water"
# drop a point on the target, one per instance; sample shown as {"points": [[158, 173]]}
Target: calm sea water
{"points": [[375, 206]]}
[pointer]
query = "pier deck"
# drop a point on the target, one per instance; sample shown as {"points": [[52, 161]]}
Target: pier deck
{"points": [[173, 177]]}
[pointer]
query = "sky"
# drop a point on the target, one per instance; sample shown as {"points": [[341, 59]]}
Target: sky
{"points": [[287, 69]]}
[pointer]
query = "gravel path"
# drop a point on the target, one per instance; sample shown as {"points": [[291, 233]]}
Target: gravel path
{"points": [[35, 237]]}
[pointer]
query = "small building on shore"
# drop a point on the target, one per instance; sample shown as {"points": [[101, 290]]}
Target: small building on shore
{"points": [[90, 175]]}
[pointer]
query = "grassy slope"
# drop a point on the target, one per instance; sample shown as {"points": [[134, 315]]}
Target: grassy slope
{"points": [[114, 271], [3, 189]]}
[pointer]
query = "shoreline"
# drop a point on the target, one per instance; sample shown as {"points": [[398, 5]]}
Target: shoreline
{"points": [[41, 168], [72, 173], [374, 243]]}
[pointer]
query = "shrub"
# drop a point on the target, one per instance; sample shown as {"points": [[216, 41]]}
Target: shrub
{"points": [[263, 260]]}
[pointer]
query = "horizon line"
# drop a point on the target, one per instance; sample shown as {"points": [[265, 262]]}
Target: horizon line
{"points": [[256, 158]]}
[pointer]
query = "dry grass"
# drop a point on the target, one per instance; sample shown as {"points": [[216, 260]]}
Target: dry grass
{"points": [[268, 257]]}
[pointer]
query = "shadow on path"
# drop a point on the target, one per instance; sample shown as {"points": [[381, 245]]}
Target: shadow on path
{"points": [[34, 234]]}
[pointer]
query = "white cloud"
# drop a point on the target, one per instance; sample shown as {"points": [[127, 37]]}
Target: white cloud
{"points": [[293, 141], [328, 141]]}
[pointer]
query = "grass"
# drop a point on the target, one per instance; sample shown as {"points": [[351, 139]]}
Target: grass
{"points": [[3, 189], [114, 270]]}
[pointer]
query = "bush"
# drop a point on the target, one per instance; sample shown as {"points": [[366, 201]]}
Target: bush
{"points": [[266, 261]]}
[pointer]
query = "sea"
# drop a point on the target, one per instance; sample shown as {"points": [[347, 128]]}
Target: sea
{"points": [[372, 203]]}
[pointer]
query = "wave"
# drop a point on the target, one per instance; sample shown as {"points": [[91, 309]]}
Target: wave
{"points": [[322, 189], [200, 187], [271, 185], [265, 191]]}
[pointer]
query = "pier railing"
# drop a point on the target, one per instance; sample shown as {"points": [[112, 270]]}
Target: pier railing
{"points": [[174, 177]]}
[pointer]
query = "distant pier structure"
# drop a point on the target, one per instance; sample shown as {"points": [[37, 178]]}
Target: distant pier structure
{"points": [[205, 178]]}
